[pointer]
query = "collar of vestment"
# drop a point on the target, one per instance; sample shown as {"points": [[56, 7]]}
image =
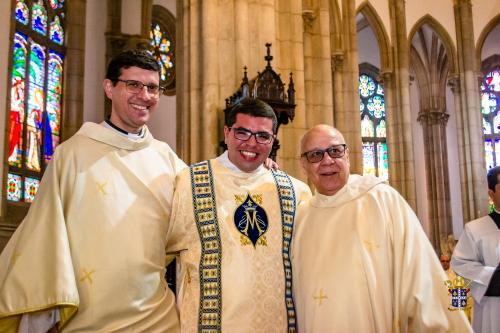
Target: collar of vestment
{"points": [[224, 160], [356, 186], [495, 216], [134, 136], [110, 136]]}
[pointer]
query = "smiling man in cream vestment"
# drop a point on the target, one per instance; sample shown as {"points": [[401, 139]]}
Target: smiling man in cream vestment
{"points": [[361, 261], [237, 218], [90, 254]]}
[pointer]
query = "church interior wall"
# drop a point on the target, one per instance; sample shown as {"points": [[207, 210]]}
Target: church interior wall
{"points": [[131, 17], [482, 13], [491, 43], [5, 16], [441, 11], [369, 51], [382, 9]]}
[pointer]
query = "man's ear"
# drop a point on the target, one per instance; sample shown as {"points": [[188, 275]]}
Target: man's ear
{"points": [[107, 85], [226, 133], [491, 194]]}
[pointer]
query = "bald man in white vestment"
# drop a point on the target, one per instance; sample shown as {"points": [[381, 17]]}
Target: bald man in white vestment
{"points": [[477, 256], [361, 261]]}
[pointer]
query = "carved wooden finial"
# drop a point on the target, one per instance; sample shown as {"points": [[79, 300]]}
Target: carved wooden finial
{"points": [[268, 57]]}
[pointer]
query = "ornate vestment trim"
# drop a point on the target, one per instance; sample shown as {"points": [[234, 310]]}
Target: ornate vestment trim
{"points": [[286, 196], [205, 214]]}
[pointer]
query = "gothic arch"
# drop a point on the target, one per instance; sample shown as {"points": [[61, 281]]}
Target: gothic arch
{"points": [[484, 34], [443, 35], [367, 10]]}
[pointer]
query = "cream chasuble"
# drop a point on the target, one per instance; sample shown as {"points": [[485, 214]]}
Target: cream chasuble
{"points": [[251, 275], [93, 242], [362, 263], [476, 257]]}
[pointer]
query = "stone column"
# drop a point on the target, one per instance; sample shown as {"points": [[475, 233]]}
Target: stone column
{"points": [[346, 116], [72, 117], [401, 172], [436, 160], [469, 122]]}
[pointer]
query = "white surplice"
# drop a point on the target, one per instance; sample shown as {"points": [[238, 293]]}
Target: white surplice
{"points": [[252, 276], [362, 263], [475, 257], [93, 242]]}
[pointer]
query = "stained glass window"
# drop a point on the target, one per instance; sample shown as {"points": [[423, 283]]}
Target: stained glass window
{"points": [[373, 126], [162, 41], [22, 12], [490, 109], [35, 94]]}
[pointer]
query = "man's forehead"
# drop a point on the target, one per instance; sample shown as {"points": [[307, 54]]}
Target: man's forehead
{"points": [[318, 139]]}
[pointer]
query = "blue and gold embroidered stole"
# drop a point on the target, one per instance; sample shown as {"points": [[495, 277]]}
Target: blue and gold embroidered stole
{"points": [[205, 213]]}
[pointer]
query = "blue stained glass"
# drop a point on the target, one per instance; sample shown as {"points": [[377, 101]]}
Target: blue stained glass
{"points": [[366, 85], [22, 12], [30, 188], [496, 123], [488, 103], [486, 127], [493, 80], [376, 106], [380, 89], [55, 4], [381, 130], [56, 31], [488, 148], [367, 127], [369, 158], [383, 162], [14, 187], [39, 18]]}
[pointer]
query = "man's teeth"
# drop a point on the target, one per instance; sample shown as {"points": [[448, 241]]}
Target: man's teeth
{"points": [[248, 153], [140, 107]]}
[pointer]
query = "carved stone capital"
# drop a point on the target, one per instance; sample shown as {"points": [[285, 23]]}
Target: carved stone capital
{"points": [[308, 15], [337, 60], [454, 83], [433, 117], [385, 76]]}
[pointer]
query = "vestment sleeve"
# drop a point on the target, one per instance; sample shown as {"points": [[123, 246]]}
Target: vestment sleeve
{"points": [[466, 262], [421, 296], [36, 270], [181, 210]]}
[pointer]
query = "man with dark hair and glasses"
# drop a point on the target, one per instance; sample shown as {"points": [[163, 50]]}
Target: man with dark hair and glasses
{"points": [[361, 261], [89, 256], [237, 219]]}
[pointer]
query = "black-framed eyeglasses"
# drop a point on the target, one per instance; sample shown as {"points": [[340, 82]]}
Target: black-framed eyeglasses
{"points": [[244, 134], [316, 156], [135, 87]]}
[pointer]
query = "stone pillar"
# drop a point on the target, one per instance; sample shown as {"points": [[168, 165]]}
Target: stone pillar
{"points": [[436, 161], [399, 136], [72, 117], [346, 116], [469, 122]]}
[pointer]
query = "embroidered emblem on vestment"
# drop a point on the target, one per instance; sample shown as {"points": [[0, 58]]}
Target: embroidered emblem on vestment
{"points": [[286, 197], [320, 297], [457, 289], [251, 221], [205, 213]]}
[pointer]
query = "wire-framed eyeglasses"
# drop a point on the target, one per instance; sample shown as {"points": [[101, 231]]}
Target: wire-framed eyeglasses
{"points": [[316, 156], [244, 134], [135, 87]]}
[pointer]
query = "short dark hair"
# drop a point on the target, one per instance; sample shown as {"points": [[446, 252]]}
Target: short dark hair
{"points": [[253, 107], [131, 58], [492, 177]]}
